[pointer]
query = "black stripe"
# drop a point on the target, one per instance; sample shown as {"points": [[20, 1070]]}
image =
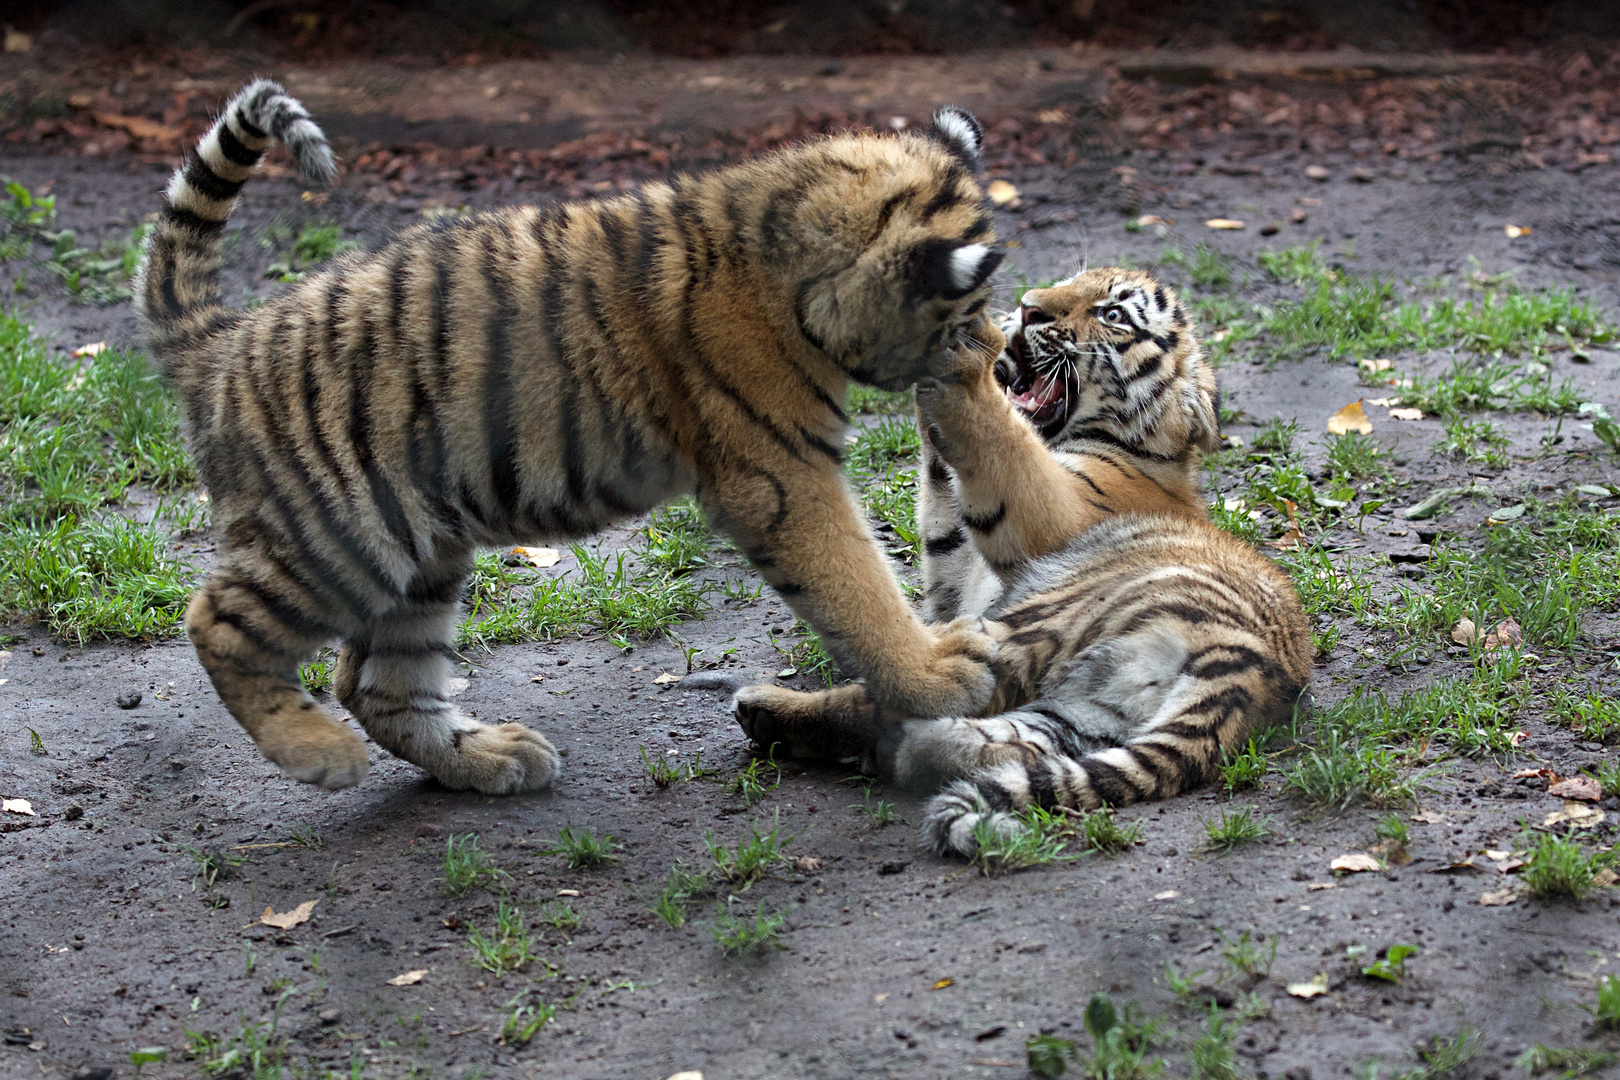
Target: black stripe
{"points": [[1110, 439], [205, 181], [287, 614], [818, 443], [1147, 368], [987, 522], [190, 222], [499, 433], [944, 545], [1111, 784], [235, 152]]}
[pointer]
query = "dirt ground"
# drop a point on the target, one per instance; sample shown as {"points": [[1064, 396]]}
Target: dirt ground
{"points": [[893, 963]]}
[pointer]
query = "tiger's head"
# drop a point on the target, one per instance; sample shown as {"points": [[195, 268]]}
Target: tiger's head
{"points": [[1111, 354]]}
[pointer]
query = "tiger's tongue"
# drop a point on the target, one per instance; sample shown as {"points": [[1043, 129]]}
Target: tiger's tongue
{"points": [[1046, 388]]}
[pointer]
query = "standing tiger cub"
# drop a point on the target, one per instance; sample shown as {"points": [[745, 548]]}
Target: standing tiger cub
{"points": [[529, 374], [1136, 642]]}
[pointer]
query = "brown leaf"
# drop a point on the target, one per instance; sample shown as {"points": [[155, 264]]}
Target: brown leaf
{"points": [[1523, 774], [1350, 418], [410, 978], [1465, 632], [1001, 192], [1232, 224], [1507, 633], [666, 678], [804, 864], [538, 557], [1288, 541], [1605, 878], [288, 919], [1576, 814], [1393, 854], [1154, 219], [1318, 985], [1582, 788], [1500, 898], [1429, 817], [1355, 862], [139, 126]]}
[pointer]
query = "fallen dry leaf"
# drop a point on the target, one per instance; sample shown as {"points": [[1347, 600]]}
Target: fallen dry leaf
{"points": [[1287, 541], [1605, 878], [1575, 814], [95, 348], [1316, 172], [1524, 773], [1001, 192], [568, 892], [1406, 414], [1501, 898], [1465, 632], [686, 1074], [288, 919], [1154, 219], [1318, 985], [139, 126], [1350, 418], [1495, 854], [1168, 894], [942, 984], [1355, 862], [1392, 853], [666, 678], [1507, 866], [410, 978], [1516, 231], [538, 557], [1507, 633], [452, 687], [1318, 886], [1051, 116], [1518, 738], [17, 806], [1460, 864], [806, 863], [1582, 788], [1224, 223]]}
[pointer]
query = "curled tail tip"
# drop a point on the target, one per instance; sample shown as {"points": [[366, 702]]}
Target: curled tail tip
{"points": [[265, 105]]}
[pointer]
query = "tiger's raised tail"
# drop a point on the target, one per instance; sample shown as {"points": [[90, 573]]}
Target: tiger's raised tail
{"points": [[177, 286]]}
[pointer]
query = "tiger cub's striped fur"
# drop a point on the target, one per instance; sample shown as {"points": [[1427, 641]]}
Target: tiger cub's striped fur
{"points": [[529, 374], [1136, 641]]}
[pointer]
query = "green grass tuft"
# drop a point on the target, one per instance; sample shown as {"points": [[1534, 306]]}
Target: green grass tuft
{"points": [[1234, 828], [584, 850], [1561, 868], [750, 932], [467, 867]]}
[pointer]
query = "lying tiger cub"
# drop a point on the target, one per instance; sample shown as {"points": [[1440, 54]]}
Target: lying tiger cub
{"points": [[1137, 643]]}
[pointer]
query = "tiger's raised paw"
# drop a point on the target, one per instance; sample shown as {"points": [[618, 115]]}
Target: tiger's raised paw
{"points": [[953, 679], [505, 759], [314, 748]]}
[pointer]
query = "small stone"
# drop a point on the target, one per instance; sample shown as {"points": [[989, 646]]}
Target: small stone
{"points": [[74, 813], [93, 1072], [1270, 228], [1317, 173], [129, 700], [328, 1017], [1298, 215], [1362, 176], [429, 830], [893, 867]]}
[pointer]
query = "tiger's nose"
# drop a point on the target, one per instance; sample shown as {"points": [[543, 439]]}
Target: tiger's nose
{"points": [[1034, 316]]}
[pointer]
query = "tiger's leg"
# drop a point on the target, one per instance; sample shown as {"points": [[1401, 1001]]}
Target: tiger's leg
{"points": [[394, 677], [798, 524], [826, 725], [251, 642], [1017, 500]]}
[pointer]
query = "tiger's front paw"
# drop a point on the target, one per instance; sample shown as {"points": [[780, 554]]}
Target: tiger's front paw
{"points": [[505, 759], [783, 721], [954, 678]]}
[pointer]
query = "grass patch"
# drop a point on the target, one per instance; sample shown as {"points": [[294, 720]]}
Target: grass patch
{"points": [[676, 538], [1593, 715], [1234, 828], [1606, 1013], [1245, 768], [1560, 868], [466, 866], [750, 932], [506, 947], [667, 769], [584, 850], [806, 655], [213, 865], [256, 1051], [1478, 441], [893, 440], [871, 400], [1041, 837], [758, 778], [1337, 773], [1213, 1056], [1245, 956], [1391, 965], [524, 1022], [879, 813], [1541, 1059], [682, 884], [318, 241], [753, 857], [96, 275], [559, 915]]}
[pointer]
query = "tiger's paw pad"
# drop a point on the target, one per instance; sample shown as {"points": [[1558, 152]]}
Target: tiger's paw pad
{"points": [[505, 759]]}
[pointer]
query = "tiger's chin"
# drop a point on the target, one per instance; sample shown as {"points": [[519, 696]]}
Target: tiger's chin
{"points": [[1044, 399]]}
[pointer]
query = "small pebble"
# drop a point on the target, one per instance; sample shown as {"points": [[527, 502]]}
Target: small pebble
{"points": [[129, 700], [429, 830]]}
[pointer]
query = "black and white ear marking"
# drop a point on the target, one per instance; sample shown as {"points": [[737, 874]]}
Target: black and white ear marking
{"points": [[971, 266], [960, 132]]}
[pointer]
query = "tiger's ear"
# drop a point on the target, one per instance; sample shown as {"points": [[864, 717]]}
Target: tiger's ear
{"points": [[959, 132], [949, 271]]}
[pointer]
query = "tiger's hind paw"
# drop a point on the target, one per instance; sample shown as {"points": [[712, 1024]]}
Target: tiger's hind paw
{"points": [[504, 759], [956, 818]]}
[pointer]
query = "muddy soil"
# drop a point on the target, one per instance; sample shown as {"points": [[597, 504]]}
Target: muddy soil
{"points": [[893, 962]]}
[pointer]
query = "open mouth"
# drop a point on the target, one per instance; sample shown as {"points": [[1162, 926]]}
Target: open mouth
{"points": [[1042, 398]]}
